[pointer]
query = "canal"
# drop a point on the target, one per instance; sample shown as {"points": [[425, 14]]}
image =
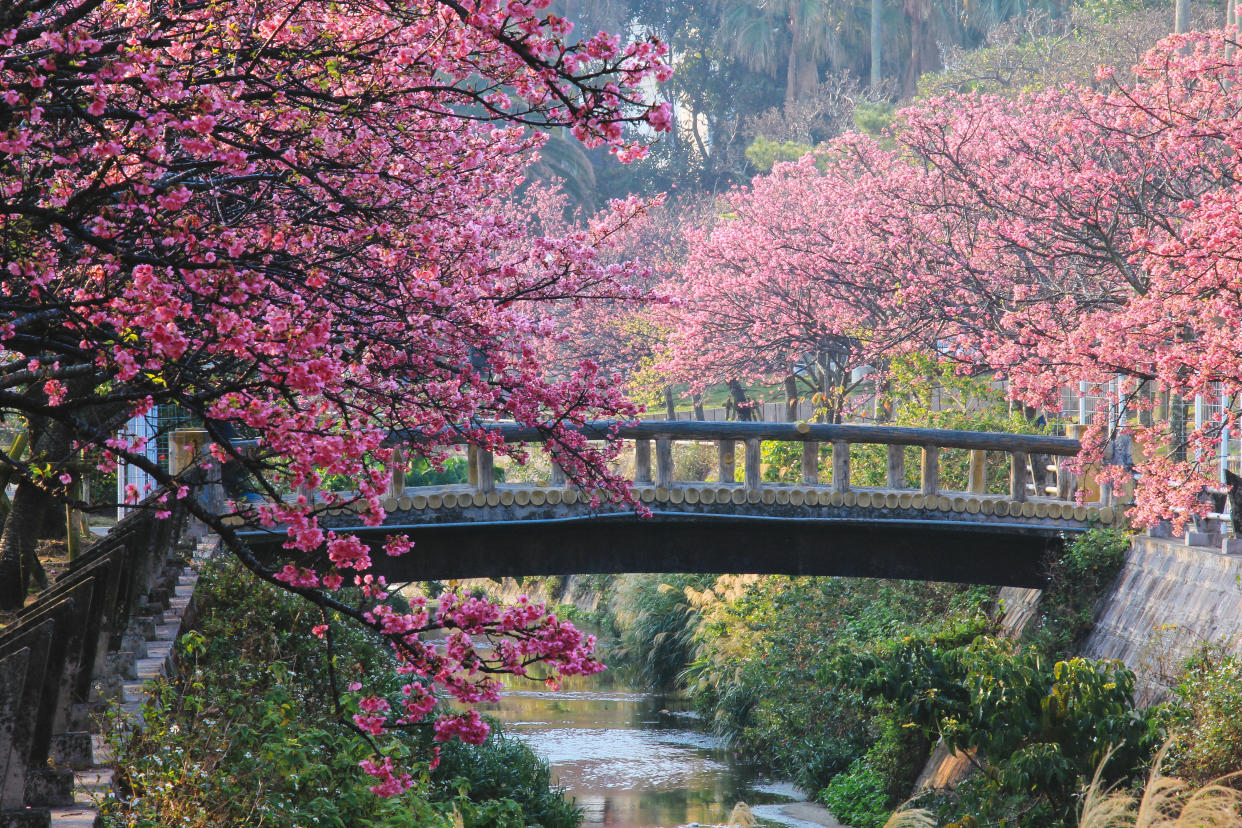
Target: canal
{"points": [[639, 760]]}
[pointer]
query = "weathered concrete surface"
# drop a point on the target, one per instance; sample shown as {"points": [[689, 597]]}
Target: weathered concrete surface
{"points": [[1168, 600]]}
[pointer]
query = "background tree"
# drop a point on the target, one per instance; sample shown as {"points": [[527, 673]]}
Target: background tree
{"points": [[779, 285]]}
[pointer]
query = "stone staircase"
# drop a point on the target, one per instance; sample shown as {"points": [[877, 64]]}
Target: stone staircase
{"points": [[87, 642], [152, 658]]}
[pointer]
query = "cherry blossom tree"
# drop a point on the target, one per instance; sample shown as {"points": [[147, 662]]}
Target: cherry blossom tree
{"points": [[286, 218], [782, 282], [1056, 238], [1076, 237]]}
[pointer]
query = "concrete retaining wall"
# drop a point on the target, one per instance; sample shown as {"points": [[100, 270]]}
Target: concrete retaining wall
{"points": [[1168, 600]]}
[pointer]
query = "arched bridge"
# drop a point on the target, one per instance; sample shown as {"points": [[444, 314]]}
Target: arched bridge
{"points": [[904, 525]]}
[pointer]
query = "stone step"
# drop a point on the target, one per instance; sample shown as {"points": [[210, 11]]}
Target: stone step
{"points": [[72, 749], [94, 780], [121, 664], [100, 751], [79, 816], [26, 818], [149, 668], [160, 650], [133, 691], [135, 644], [131, 711]]}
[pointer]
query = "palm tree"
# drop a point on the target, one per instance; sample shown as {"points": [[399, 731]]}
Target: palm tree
{"points": [[563, 162], [790, 35]]}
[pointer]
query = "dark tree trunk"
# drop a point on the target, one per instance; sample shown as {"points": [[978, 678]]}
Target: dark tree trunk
{"points": [[883, 402], [19, 565], [877, 45], [697, 400], [791, 398], [744, 407], [670, 410], [23, 527]]}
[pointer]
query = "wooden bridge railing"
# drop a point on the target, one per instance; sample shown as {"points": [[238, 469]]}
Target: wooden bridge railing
{"points": [[726, 435]]}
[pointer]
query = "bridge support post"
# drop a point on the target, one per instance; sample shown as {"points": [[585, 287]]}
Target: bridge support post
{"points": [[810, 463], [1066, 484], [485, 475], [664, 462], [642, 461], [840, 466], [558, 474], [753, 458], [396, 468], [1017, 476], [978, 471], [725, 465], [931, 470], [895, 473]]}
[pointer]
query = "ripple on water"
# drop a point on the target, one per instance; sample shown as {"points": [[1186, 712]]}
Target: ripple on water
{"points": [[632, 760], [607, 758]]}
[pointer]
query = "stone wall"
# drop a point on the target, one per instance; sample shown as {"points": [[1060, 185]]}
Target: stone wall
{"points": [[1168, 600]]}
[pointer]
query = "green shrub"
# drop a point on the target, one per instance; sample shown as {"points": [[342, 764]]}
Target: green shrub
{"points": [[1207, 730], [858, 797], [1040, 729], [245, 732], [764, 154], [1077, 579]]}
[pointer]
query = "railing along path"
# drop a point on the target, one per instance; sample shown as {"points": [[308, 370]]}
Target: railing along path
{"points": [[654, 480]]}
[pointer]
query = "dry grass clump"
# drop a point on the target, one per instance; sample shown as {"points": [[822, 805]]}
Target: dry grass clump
{"points": [[1166, 802], [741, 817], [912, 818]]}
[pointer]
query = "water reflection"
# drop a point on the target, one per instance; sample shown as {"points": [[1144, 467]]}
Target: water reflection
{"points": [[630, 760]]}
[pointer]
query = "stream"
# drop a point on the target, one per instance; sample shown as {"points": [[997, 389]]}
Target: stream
{"points": [[637, 760]]}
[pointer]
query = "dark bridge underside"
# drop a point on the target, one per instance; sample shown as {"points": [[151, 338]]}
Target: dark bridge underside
{"points": [[995, 554]]}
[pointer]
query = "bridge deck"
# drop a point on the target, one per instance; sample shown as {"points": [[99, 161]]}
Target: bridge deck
{"points": [[807, 530], [821, 528]]}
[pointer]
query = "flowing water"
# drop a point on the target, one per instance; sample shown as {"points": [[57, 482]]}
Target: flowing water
{"points": [[636, 760]]}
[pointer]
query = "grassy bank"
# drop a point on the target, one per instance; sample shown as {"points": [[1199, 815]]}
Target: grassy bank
{"points": [[245, 733], [844, 685]]}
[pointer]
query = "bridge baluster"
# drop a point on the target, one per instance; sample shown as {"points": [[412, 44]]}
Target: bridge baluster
{"points": [[895, 474], [978, 472], [753, 458], [642, 461], [1067, 484], [1017, 476], [397, 469], [840, 466], [664, 462], [486, 477], [724, 461], [931, 470], [810, 463]]}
